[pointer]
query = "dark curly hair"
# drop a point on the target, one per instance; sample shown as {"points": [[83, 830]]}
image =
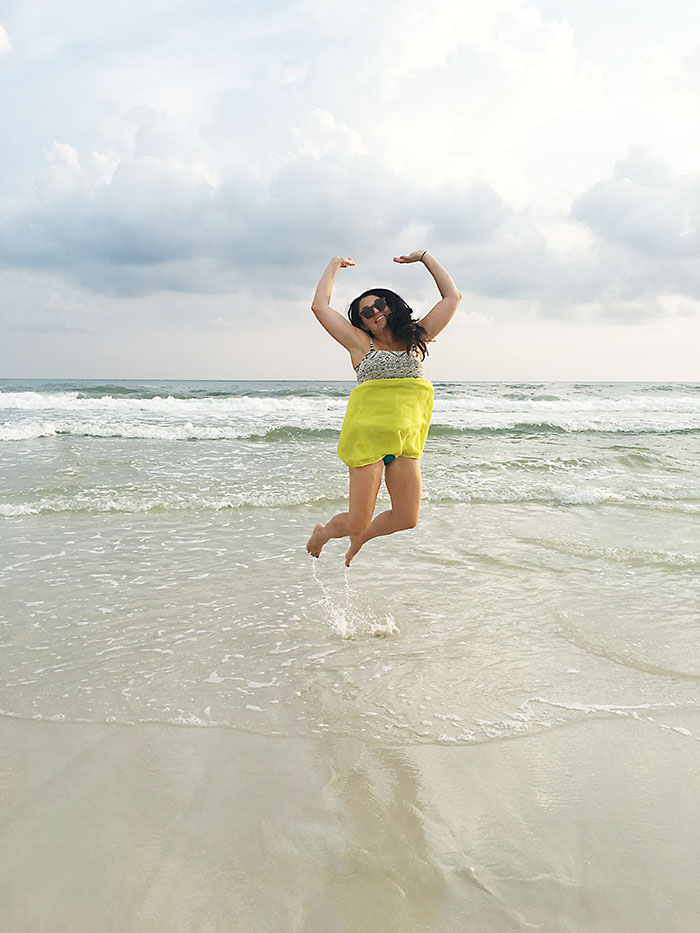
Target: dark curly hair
{"points": [[399, 320]]}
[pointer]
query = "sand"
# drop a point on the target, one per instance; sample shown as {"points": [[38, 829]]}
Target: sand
{"points": [[154, 827]]}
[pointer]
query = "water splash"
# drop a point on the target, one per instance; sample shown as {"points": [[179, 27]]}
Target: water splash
{"points": [[349, 611]]}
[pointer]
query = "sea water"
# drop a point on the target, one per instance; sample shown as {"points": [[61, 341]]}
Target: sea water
{"points": [[153, 563]]}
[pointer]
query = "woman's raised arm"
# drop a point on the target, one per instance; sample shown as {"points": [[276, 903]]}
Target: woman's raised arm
{"points": [[337, 326], [442, 313]]}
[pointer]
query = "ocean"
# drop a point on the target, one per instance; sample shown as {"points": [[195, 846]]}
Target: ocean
{"points": [[153, 573]]}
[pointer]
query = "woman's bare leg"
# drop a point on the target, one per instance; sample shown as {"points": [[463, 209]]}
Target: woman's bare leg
{"points": [[403, 480], [364, 486]]}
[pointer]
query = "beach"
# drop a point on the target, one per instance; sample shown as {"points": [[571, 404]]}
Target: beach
{"points": [[489, 722], [155, 827]]}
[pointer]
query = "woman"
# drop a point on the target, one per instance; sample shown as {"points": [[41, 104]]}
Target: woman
{"points": [[387, 348]]}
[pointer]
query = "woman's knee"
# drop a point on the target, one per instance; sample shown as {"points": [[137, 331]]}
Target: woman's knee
{"points": [[409, 521], [357, 525]]}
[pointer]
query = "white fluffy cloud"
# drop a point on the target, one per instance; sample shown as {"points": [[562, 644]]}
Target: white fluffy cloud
{"points": [[320, 133], [5, 44], [448, 92], [672, 83]]}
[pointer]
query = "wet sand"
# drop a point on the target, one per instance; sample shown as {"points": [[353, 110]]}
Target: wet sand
{"points": [[155, 827]]}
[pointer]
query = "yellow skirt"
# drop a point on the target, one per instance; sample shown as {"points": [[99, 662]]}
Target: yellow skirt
{"points": [[386, 416]]}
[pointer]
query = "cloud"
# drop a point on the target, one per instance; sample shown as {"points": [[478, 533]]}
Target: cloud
{"points": [[671, 83], [326, 127], [155, 221], [152, 215], [448, 92], [645, 207], [646, 219], [5, 44], [169, 222], [320, 133]]}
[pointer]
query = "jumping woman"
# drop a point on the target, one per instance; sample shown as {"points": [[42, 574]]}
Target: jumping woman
{"points": [[388, 413]]}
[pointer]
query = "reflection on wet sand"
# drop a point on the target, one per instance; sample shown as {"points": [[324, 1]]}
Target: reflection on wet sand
{"points": [[156, 827]]}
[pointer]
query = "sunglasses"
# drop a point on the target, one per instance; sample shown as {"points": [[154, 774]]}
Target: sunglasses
{"points": [[379, 304]]}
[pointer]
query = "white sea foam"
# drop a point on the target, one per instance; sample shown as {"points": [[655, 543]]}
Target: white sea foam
{"points": [[133, 429], [168, 405], [32, 414], [107, 501], [686, 500]]}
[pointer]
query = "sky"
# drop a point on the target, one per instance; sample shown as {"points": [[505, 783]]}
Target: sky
{"points": [[175, 176]]}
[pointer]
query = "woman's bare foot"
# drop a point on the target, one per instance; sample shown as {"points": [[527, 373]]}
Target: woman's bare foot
{"points": [[355, 545], [316, 541]]}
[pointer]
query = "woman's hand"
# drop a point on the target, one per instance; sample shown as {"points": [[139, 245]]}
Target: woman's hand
{"points": [[343, 261], [415, 256]]}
